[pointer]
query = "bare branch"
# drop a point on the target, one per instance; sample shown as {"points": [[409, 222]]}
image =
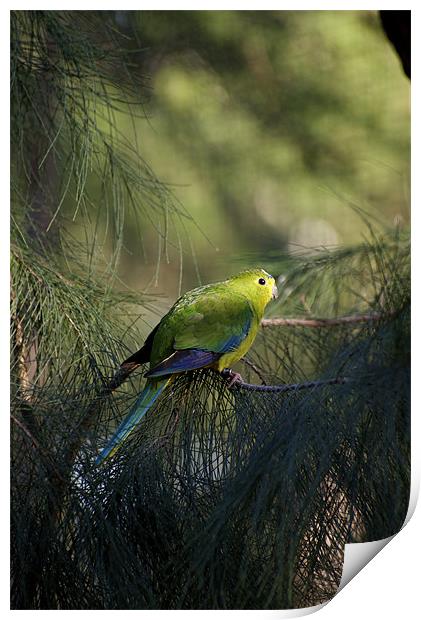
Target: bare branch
{"points": [[25, 430], [318, 322], [289, 387], [255, 368]]}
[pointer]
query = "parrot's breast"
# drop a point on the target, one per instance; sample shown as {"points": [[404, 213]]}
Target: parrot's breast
{"points": [[231, 357]]}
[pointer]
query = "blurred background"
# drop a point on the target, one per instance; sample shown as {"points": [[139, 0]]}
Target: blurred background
{"points": [[197, 143], [270, 127]]}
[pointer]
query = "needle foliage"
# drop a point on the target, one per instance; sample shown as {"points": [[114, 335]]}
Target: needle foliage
{"points": [[224, 498]]}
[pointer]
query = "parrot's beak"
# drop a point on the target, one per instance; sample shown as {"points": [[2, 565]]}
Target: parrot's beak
{"points": [[274, 292]]}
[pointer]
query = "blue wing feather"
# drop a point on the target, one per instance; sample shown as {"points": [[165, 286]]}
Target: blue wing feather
{"points": [[234, 341], [182, 361]]}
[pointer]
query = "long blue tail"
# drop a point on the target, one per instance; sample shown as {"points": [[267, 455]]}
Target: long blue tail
{"points": [[145, 401]]}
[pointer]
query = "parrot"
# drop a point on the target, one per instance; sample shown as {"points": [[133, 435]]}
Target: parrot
{"points": [[212, 326]]}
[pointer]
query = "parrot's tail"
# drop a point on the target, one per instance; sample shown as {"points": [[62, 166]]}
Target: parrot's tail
{"points": [[145, 401]]}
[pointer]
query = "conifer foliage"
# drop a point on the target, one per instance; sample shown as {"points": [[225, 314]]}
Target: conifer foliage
{"points": [[224, 498]]}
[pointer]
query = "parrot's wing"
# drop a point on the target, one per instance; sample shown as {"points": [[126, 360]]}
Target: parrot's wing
{"points": [[199, 329], [217, 321], [181, 361]]}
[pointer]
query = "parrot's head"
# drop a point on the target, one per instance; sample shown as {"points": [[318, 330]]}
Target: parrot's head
{"points": [[258, 285]]}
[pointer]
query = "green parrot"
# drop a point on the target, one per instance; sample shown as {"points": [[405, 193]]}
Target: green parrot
{"points": [[212, 326]]}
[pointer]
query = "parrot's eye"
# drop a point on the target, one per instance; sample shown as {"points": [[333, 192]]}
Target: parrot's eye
{"points": [[262, 281]]}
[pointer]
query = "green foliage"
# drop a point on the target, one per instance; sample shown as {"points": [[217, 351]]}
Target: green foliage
{"points": [[223, 498], [226, 498], [74, 174]]}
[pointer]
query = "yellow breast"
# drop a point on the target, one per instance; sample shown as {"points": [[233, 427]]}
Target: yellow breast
{"points": [[231, 357]]}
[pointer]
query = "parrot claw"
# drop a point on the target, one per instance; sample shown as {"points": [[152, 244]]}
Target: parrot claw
{"points": [[233, 377]]}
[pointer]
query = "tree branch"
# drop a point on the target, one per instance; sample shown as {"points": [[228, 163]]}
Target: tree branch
{"points": [[318, 322], [289, 387], [255, 368]]}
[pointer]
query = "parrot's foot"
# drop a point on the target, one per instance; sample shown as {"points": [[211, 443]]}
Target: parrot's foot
{"points": [[233, 377]]}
